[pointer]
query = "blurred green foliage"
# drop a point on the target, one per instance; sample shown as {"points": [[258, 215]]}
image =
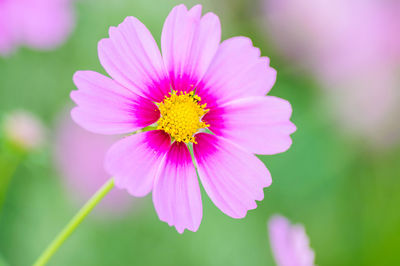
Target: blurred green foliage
{"points": [[345, 193]]}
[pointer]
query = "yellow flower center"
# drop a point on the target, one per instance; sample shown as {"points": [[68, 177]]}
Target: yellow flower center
{"points": [[181, 116]]}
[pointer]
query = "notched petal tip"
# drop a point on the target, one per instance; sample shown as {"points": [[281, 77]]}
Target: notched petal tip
{"points": [[101, 45], [81, 76], [273, 73], [195, 11], [213, 21], [180, 7], [181, 229], [76, 76], [129, 19], [74, 95], [75, 114], [293, 127]]}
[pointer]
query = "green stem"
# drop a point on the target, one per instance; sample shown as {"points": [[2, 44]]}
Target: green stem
{"points": [[73, 224]]}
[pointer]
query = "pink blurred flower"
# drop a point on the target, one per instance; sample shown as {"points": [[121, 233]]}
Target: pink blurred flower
{"points": [[79, 157], [40, 24], [24, 130], [289, 243], [196, 84], [353, 48]]}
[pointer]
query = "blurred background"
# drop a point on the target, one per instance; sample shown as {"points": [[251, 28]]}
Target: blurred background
{"points": [[338, 64]]}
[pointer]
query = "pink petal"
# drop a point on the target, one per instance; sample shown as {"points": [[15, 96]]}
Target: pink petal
{"points": [[106, 107], [188, 44], [232, 177], [131, 57], [289, 243], [135, 160], [237, 71], [176, 192], [259, 124]]}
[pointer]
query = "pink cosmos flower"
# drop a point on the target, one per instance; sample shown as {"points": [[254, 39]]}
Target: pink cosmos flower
{"points": [[196, 87], [79, 157], [353, 49], [40, 24], [289, 243]]}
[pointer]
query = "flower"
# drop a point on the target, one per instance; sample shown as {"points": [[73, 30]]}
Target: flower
{"points": [[40, 24], [289, 243], [353, 50], [24, 130], [197, 86], [79, 156]]}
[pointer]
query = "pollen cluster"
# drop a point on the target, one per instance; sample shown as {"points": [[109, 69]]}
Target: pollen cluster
{"points": [[181, 115]]}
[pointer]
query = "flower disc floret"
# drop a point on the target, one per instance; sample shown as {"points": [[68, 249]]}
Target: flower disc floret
{"points": [[181, 116]]}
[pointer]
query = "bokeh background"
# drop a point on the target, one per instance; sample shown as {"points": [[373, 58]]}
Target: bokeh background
{"points": [[341, 182]]}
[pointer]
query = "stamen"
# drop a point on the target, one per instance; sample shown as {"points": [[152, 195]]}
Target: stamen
{"points": [[181, 116]]}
